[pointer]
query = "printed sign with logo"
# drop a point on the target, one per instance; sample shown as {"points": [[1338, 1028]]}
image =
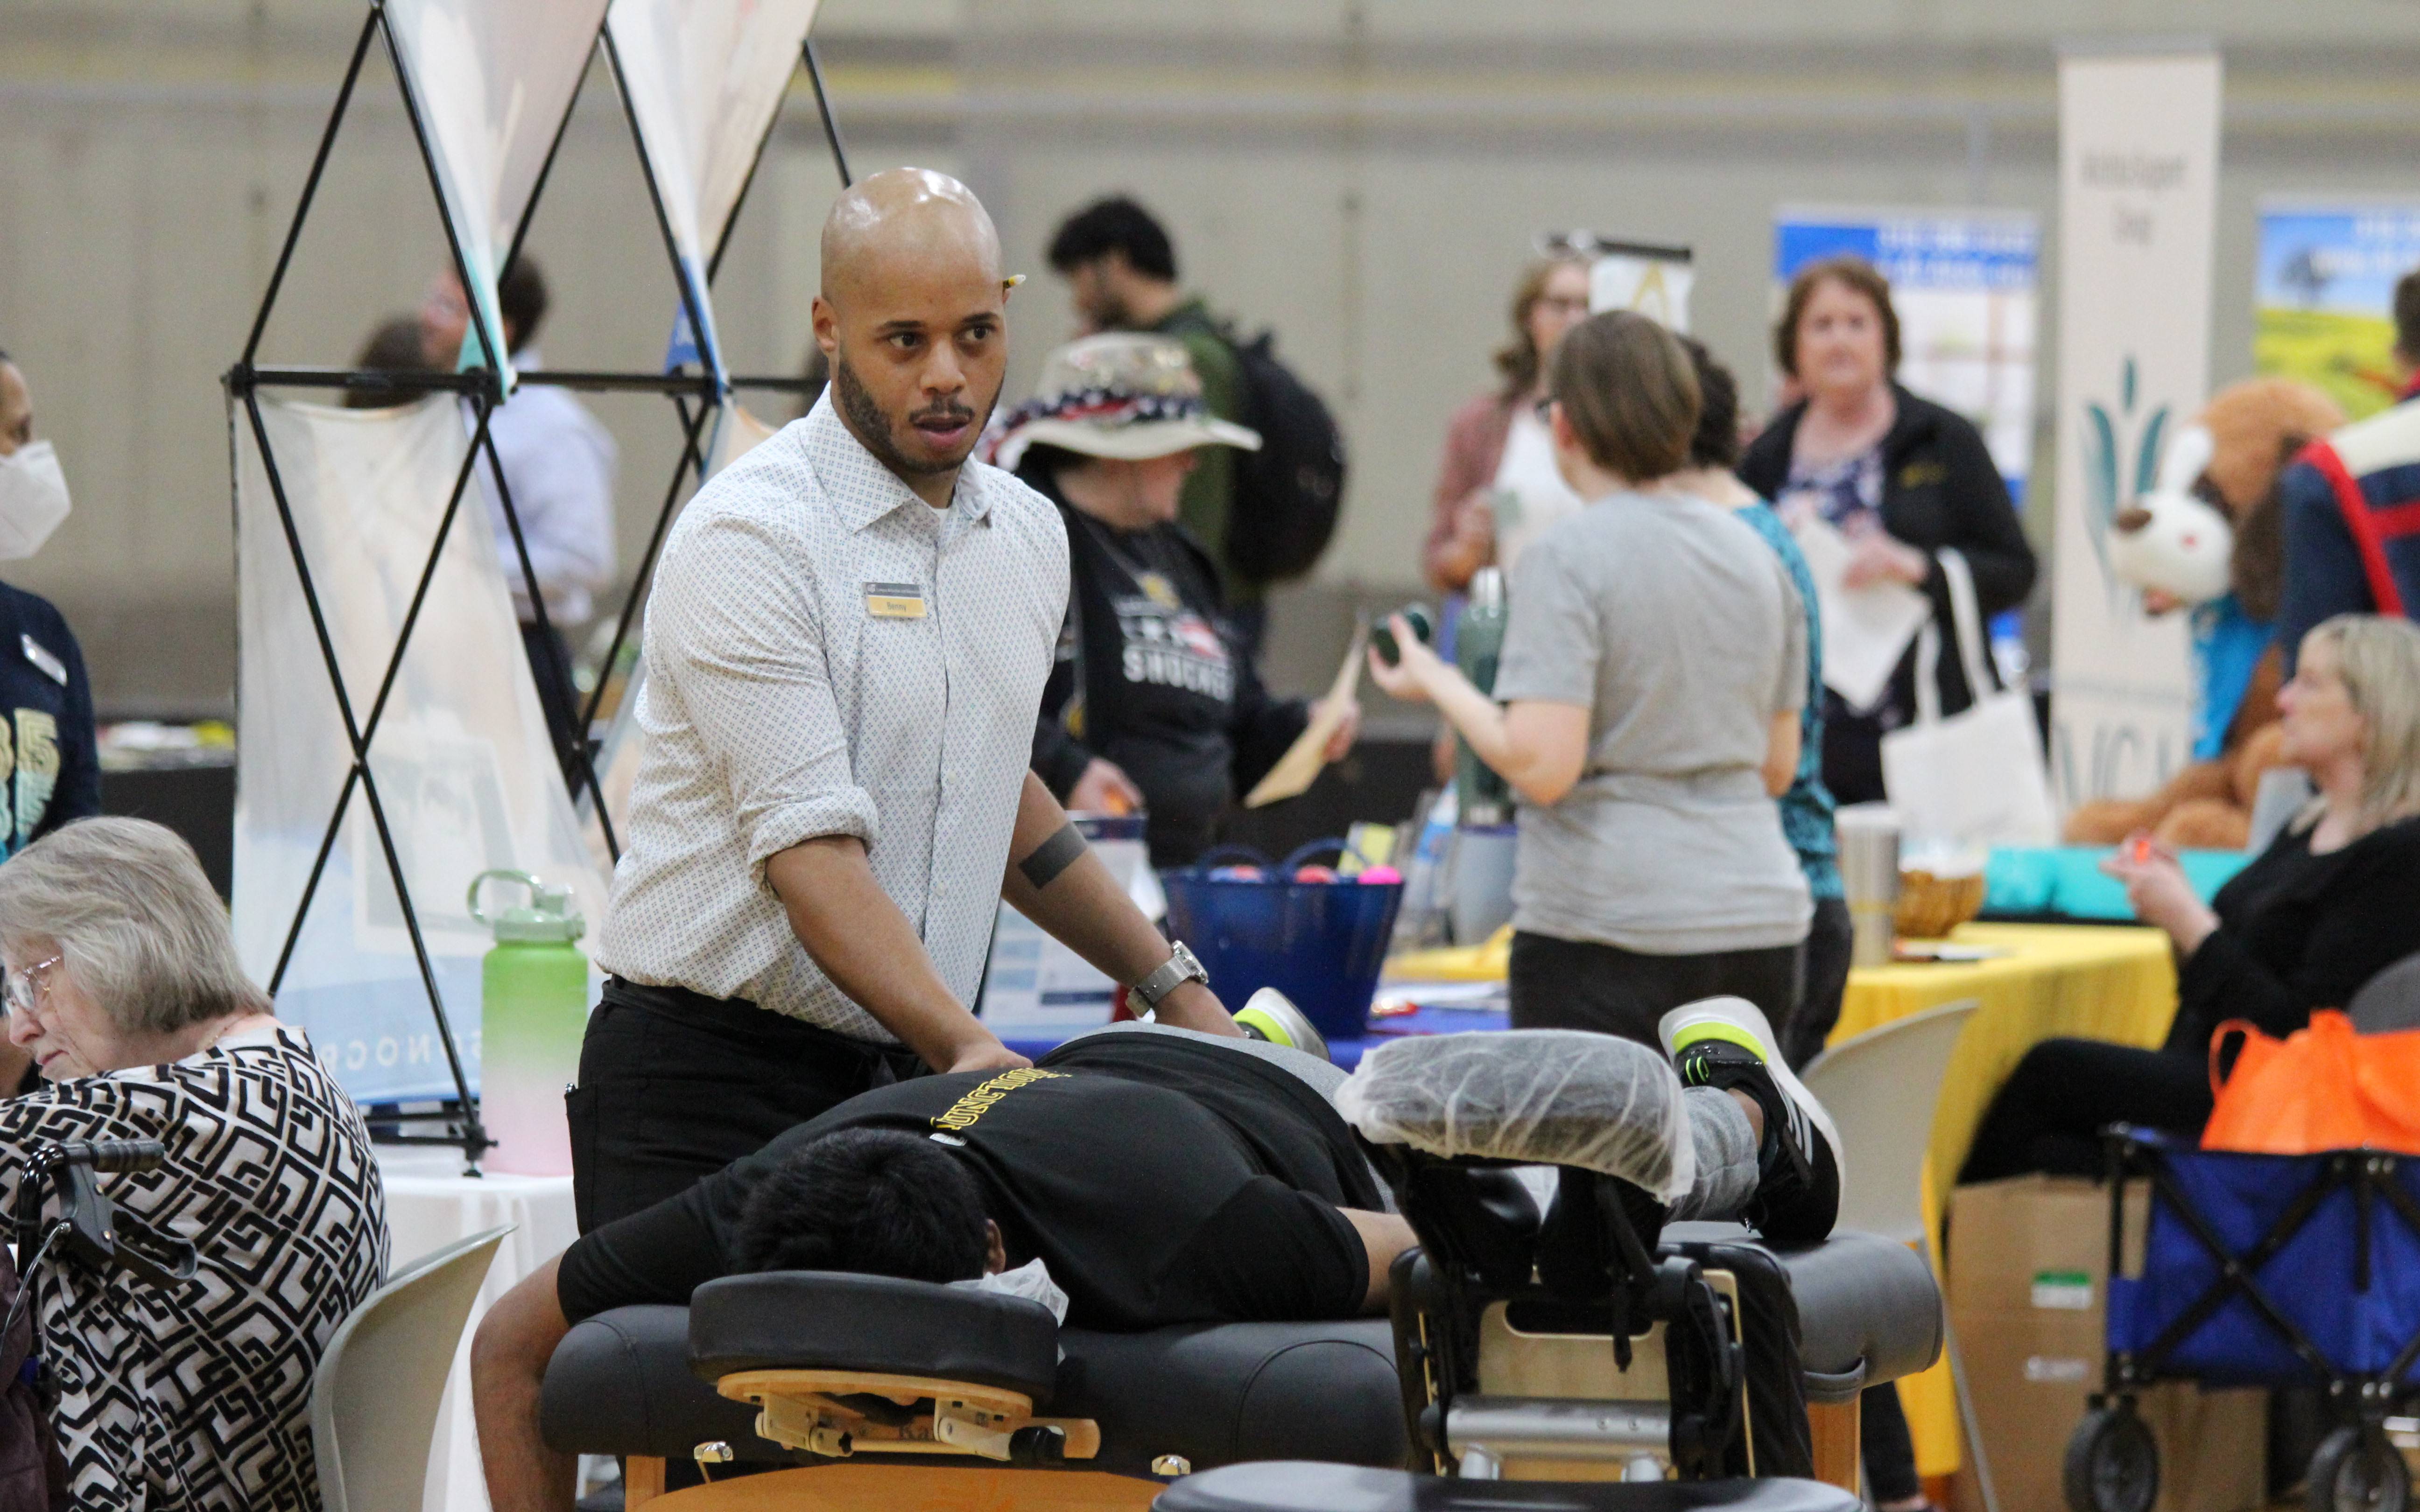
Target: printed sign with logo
{"points": [[2138, 176], [2324, 305]]}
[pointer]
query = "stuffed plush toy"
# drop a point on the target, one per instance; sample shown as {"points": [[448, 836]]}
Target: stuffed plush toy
{"points": [[2209, 538]]}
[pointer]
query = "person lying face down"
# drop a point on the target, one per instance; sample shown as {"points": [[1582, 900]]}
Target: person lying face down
{"points": [[1161, 1175]]}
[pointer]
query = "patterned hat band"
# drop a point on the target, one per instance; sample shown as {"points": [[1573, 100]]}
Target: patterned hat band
{"points": [[1107, 409]]}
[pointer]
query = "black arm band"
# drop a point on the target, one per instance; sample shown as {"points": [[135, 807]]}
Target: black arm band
{"points": [[1052, 857]]}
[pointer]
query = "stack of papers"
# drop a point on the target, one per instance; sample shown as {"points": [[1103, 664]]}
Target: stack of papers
{"points": [[1866, 630]]}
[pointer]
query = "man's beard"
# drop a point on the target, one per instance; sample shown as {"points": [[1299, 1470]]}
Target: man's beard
{"points": [[865, 417]]}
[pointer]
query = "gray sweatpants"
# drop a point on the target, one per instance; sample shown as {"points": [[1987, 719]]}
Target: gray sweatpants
{"points": [[1721, 1139]]}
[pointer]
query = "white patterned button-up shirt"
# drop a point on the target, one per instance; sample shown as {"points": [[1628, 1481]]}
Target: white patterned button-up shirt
{"points": [[829, 655]]}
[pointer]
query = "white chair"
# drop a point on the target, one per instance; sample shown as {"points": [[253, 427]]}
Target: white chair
{"points": [[1882, 1089], [374, 1397]]}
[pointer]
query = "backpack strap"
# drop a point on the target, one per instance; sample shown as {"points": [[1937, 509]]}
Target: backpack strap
{"points": [[2359, 523]]}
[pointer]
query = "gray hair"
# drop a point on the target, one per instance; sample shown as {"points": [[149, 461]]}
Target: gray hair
{"points": [[124, 904]]}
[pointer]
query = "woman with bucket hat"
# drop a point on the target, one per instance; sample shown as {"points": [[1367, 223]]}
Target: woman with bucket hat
{"points": [[1151, 704]]}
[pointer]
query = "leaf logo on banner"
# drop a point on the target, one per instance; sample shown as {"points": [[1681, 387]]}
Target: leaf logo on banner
{"points": [[2114, 486]]}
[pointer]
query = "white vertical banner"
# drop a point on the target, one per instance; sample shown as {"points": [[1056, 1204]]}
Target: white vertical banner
{"points": [[2138, 182], [466, 776], [704, 79], [492, 81]]}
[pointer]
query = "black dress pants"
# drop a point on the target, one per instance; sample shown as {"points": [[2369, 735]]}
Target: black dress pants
{"points": [[674, 1085], [2050, 1114], [1580, 984]]}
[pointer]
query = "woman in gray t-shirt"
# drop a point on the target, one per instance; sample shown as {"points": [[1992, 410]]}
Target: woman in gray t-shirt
{"points": [[1653, 667]]}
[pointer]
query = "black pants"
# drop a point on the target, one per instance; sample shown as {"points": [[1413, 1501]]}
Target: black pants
{"points": [[1822, 980], [1888, 1448], [674, 1085], [549, 661], [1579, 984], [2050, 1114]]}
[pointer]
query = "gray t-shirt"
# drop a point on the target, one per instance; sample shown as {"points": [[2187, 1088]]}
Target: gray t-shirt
{"points": [[1680, 632]]}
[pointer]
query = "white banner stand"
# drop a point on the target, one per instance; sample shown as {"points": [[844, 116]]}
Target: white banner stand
{"points": [[2139, 180]]}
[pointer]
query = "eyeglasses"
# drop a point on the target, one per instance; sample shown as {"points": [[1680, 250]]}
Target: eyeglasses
{"points": [[21, 993]]}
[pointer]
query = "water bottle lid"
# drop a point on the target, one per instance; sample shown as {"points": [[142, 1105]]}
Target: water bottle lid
{"points": [[1487, 588], [548, 918]]}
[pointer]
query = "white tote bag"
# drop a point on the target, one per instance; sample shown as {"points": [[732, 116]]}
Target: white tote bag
{"points": [[1975, 777]]}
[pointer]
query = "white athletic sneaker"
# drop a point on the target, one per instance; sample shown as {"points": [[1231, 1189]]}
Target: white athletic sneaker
{"points": [[1272, 1017], [1725, 1042]]}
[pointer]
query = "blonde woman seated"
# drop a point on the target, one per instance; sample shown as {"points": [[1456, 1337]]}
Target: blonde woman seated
{"points": [[122, 984], [2334, 900]]}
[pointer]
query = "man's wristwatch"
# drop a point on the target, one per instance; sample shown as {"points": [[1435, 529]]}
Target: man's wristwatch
{"points": [[1181, 968]]}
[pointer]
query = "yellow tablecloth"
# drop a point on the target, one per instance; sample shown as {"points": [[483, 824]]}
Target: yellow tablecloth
{"points": [[2087, 981]]}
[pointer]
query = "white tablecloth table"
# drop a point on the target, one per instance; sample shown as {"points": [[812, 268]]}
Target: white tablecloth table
{"points": [[430, 1204]]}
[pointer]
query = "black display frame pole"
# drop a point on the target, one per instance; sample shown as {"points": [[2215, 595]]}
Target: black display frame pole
{"points": [[693, 455], [483, 389]]}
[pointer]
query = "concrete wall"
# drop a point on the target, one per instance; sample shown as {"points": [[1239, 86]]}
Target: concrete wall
{"points": [[1364, 177]]}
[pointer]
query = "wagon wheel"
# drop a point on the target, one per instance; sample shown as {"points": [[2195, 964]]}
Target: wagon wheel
{"points": [[2358, 1470], [2112, 1463]]}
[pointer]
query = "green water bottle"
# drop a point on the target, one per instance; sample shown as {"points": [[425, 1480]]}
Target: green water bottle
{"points": [[533, 1013], [1478, 641]]}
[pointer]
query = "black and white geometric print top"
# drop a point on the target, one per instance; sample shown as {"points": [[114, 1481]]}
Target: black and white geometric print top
{"points": [[199, 1397]]}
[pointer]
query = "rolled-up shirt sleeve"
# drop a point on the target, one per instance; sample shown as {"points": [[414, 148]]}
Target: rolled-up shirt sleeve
{"points": [[734, 633]]}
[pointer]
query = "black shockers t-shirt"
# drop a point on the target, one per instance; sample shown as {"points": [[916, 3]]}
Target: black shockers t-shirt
{"points": [[1149, 678], [50, 764], [1160, 1181]]}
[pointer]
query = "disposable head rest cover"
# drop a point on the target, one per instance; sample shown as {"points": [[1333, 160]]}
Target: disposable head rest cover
{"points": [[1546, 1097]]}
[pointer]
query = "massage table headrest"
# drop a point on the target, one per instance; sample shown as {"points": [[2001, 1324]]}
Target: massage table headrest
{"points": [[1281, 1487], [836, 1321], [1528, 1097], [623, 1382]]}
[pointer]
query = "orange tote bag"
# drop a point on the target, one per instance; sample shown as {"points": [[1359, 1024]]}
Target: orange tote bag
{"points": [[2321, 1087]]}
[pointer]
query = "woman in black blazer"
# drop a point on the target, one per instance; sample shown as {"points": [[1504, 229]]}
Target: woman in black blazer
{"points": [[1902, 477]]}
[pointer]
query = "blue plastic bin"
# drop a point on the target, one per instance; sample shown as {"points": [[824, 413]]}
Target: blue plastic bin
{"points": [[1320, 943]]}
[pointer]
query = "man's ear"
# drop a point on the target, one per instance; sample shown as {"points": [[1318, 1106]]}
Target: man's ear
{"points": [[825, 324], [995, 1249]]}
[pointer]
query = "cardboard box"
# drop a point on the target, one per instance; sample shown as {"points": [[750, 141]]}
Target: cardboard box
{"points": [[2028, 1290], [2036, 1244]]}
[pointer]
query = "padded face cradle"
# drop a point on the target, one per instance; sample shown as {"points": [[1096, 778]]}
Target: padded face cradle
{"points": [[827, 1320], [1311, 1487], [1216, 1394]]}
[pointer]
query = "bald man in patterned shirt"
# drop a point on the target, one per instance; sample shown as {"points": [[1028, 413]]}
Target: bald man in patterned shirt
{"points": [[846, 645]]}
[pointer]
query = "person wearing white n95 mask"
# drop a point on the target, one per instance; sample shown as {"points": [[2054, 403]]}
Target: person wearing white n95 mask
{"points": [[48, 769], [50, 766]]}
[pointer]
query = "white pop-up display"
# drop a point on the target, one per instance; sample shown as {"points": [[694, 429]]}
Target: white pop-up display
{"points": [[491, 82], [466, 778]]}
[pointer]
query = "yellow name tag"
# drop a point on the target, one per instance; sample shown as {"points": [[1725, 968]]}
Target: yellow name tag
{"points": [[895, 601]]}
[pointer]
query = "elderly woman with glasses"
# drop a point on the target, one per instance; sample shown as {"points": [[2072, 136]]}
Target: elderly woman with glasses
{"points": [[122, 984]]}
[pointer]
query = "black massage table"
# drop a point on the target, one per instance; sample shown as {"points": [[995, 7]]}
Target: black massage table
{"points": [[1247, 1417]]}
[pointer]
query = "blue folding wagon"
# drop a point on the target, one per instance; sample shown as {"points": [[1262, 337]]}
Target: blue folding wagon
{"points": [[2260, 1270]]}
